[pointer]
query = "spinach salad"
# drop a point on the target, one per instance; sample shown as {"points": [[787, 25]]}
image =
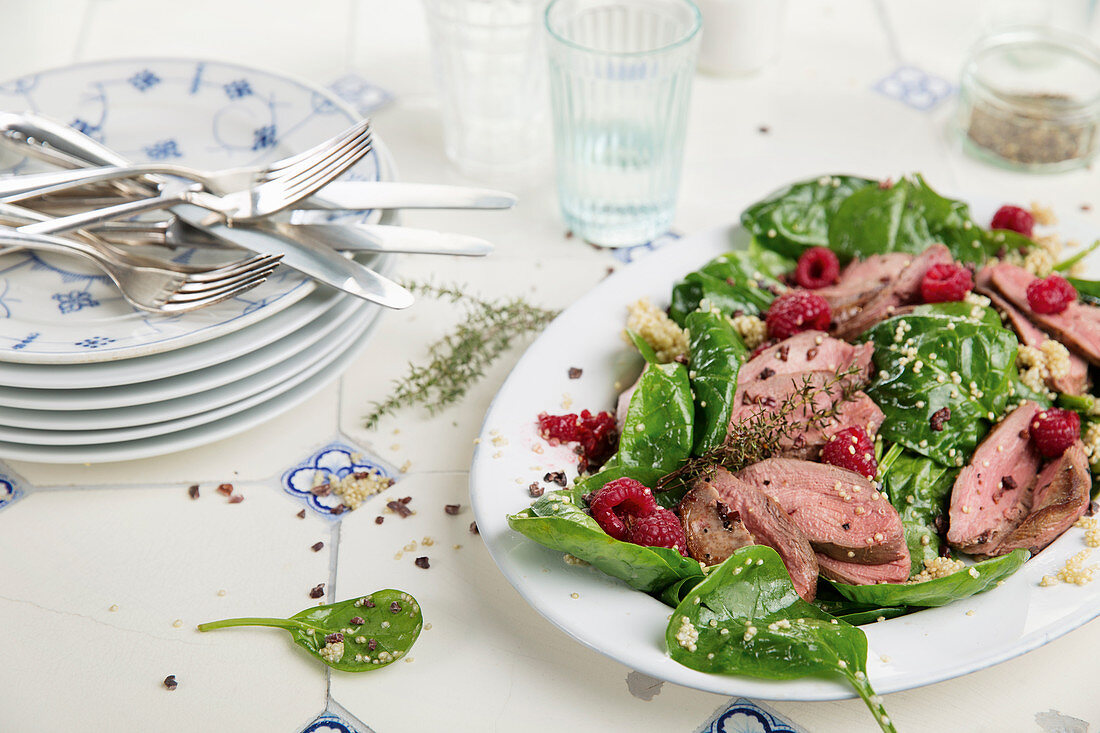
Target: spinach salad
{"points": [[848, 369]]}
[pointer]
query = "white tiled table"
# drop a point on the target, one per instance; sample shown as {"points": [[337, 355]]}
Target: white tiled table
{"points": [[90, 537]]}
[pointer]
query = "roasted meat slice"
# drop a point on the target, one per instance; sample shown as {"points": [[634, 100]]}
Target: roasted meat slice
{"points": [[853, 573], [992, 495], [1078, 326], [769, 525], [1061, 497], [901, 291], [713, 530], [841, 513], [862, 279], [765, 396], [806, 351], [1074, 382]]}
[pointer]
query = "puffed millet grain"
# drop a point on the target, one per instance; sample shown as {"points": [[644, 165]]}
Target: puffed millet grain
{"points": [[657, 329], [751, 329]]}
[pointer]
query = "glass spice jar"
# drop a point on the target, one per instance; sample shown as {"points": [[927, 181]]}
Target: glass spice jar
{"points": [[1029, 99]]}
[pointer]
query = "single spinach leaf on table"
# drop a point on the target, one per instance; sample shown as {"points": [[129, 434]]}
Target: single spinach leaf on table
{"points": [[909, 217], [657, 432], [556, 521], [939, 592], [920, 489], [356, 635], [739, 280], [963, 364], [747, 619], [715, 355], [796, 217]]}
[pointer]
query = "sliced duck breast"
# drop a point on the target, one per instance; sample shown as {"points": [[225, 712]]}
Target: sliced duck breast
{"points": [[862, 279], [764, 396], [769, 525], [1078, 326], [903, 290], [841, 513], [992, 495], [806, 351], [1061, 497], [1077, 379], [854, 573], [713, 530], [623, 404]]}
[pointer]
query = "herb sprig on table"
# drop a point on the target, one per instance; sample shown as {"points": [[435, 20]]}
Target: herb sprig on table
{"points": [[462, 356]]}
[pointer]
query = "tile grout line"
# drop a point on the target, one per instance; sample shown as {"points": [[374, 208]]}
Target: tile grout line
{"points": [[334, 555]]}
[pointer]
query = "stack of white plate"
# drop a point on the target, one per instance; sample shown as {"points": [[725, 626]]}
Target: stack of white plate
{"points": [[83, 376]]}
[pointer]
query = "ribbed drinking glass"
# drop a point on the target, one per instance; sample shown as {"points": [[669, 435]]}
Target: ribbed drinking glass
{"points": [[620, 83], [490, 68]]}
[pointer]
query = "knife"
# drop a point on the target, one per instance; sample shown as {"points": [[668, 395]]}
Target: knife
{"points": [[306, 255], [355, 237]]}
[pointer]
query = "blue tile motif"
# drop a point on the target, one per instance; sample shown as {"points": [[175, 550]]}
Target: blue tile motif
{"points": [[360, 93], [630, 254], [238, 88], [914, 87], [94, 342], [163, 149], [74, 300], [264, 137], [10, 489], [144, 80], [745, 716], [329, 723], [336, 460]]}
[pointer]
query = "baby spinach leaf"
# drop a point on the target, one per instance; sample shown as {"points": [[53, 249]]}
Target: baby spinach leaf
{"points": [[716, 354], [356, 635], [675, 593], [1069, 262], [920, 489], [747, 619], [657, 432], [873, 615], [909, 217], [940, 361], [739, 280], [939, 592], [643, 347], [555, 521], [1087, 290], [795, 218]]}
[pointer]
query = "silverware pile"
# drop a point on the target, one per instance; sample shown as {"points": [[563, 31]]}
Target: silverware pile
{"points": [[85, 209]]}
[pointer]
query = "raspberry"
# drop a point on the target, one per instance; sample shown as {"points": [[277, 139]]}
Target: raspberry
{"points": [[945, 283], [1014, 218], [817, 267], [799, 310], [618, 502], [1054, 430], [660, 529], [1050, 295], [851, 448], [595, 434]]}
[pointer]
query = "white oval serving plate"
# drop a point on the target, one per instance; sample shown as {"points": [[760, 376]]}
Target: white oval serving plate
{"points": [[607, 616]]}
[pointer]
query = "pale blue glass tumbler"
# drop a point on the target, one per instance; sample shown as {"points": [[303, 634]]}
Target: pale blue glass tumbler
{"points": [[620, 83]]}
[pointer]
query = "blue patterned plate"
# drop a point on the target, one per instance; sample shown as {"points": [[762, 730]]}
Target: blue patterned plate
{"points": [[207, 114]]}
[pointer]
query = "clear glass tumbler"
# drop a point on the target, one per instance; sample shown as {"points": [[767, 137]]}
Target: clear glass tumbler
{"points": [[490, 67], [620, 84]]}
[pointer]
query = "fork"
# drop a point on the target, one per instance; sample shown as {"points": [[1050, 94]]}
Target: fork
{"points": [[298, 179], [36, 185], [149, 286]]}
